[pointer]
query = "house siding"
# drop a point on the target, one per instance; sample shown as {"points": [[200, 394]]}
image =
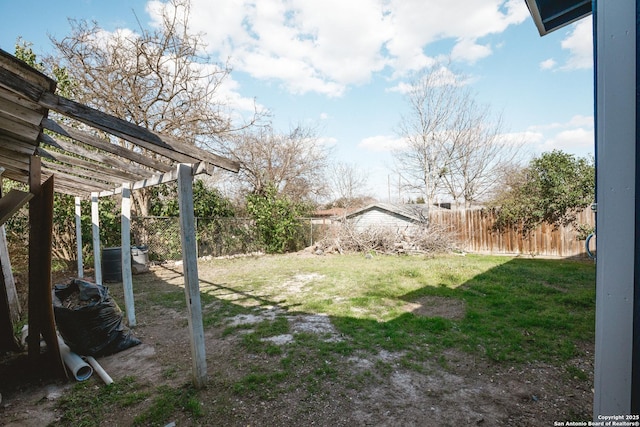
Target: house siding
{"points": [[376, 217]]}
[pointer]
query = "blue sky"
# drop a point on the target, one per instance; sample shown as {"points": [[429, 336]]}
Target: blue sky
{"points": [[339, 65]]}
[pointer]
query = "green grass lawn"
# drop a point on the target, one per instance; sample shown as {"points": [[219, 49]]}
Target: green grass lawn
{"points": [[513, 310], [516, 309]]}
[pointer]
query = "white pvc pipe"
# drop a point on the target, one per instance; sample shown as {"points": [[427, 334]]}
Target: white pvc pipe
{"points": [[99, 370], [80, 369]]}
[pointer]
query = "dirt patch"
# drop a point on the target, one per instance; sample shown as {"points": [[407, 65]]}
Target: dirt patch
{"points": [[435, 306], [368, 388]]}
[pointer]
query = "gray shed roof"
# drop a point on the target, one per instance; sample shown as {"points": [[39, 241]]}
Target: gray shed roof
{"points": [[414, 213]]}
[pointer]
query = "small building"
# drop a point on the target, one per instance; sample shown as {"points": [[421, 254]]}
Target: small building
{"points": [[398, 217]]}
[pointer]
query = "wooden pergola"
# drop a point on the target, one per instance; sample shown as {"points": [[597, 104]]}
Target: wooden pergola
{"points": [[87, 154]]}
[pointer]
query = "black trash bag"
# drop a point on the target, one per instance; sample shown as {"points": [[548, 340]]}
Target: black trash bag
{"points": [[89, 320]]}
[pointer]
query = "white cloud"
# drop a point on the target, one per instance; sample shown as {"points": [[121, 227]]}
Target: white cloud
{"points": [[578, 120], [327, 46], [575, 136], [548, 64], [579, 43], [381, 143], [470, 51], [575, 141]]}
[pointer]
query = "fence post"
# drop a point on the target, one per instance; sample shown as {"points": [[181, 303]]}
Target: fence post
{"points": [[95, 229]]}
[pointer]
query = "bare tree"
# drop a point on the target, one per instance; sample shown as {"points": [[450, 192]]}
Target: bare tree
{"points": [[480, 155], [452, 143], [157, 79], [348, 183], [294, 162]]}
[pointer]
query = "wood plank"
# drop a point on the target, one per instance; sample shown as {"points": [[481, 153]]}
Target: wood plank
{"points": [[13, 126], [10, 309], [125, 227], [16, 164], [190, 271], [161, 144], [25, 72], [35, 303], [17, 146], [105, 145], [15, 98], [79, 181], [113, 175], [78, 218], [95, 232], [18, 111], [85, 176], [42, 277], [9, 303], [11, 202], [19, 85], [199, 168]]}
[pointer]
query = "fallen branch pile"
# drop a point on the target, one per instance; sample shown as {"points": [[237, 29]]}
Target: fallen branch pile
{"points": [[387, 240]]}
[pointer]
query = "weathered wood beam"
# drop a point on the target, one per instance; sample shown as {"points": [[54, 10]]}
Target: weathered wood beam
{"points": [[82, 183], [35, 305], [12, 125], [17, 110], [99, 168], [108, 161], [30, 75], [40, 286], [190, 271], [161, 144], [125, 250], [199, 168], [87, 177], [101, 144], [16, 145], [11, 202], [11, 96], [14, 163], [10, 309], [95, 232], [19, 85]]}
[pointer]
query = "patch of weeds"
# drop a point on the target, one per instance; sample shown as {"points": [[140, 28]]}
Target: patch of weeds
{"points": [[169, 401], [254, 341], [577, 373], [271, 328], [384, 368], [222, 311], [360, 380], [168, 299], [412, 273], [87, 403], [442, 361], [170, 372], [264, 384]]}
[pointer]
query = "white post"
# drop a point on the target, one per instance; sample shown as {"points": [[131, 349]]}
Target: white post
{"points": [[616, 195], [190, 269], [127, 282], [95, 229], [79, 238]]}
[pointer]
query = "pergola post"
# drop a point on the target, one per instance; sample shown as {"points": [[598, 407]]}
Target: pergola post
{"points": [[190, 270], [127, 282], [95, 231], [78, 216]]}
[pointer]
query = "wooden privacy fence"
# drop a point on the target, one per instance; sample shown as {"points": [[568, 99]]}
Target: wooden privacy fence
{"points": [[474, 233]]}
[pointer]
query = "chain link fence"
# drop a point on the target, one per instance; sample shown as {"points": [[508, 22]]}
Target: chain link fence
{"points": [[214, 236]]}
